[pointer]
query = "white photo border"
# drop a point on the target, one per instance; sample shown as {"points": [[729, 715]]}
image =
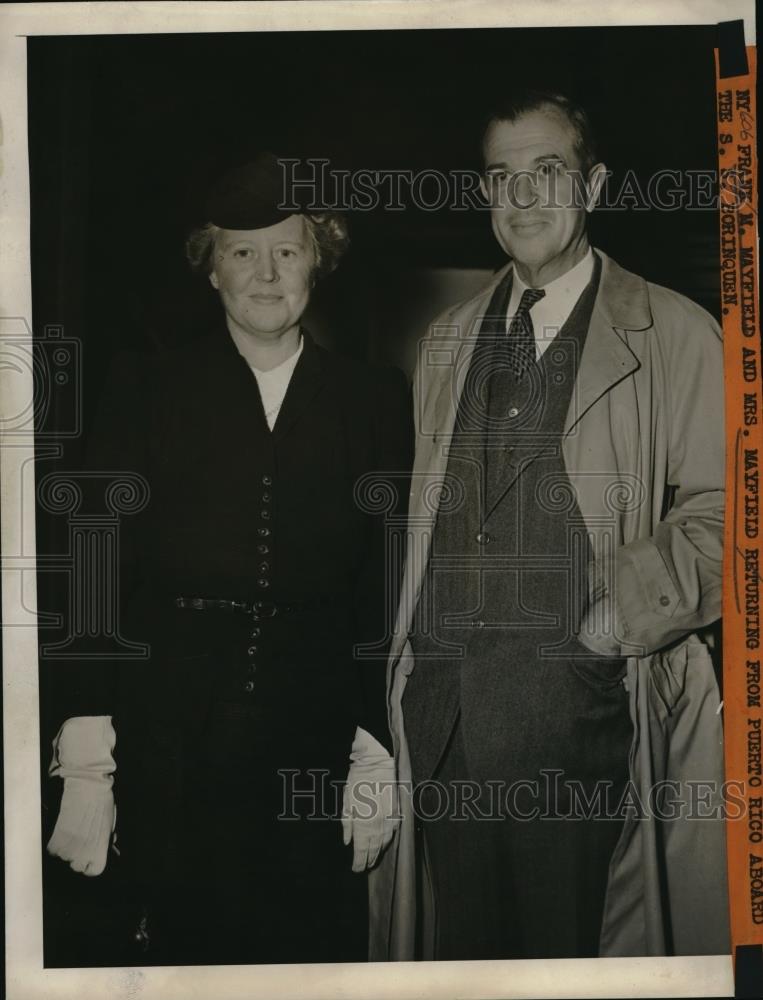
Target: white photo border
{"points": [[26, 977]]}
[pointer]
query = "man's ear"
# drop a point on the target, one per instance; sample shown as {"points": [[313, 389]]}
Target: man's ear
{"points": [[213, 280], [483, 188], [596, 177]]}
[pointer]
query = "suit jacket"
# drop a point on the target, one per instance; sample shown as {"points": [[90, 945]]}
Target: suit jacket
{"points": [[643, 447]]}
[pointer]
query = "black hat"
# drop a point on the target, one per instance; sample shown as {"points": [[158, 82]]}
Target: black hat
{"points": [[250, 196]]}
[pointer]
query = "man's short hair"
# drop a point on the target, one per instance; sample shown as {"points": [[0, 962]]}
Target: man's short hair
{"points": [[521, 102]]}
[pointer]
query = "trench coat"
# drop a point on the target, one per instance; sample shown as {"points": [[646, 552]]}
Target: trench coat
{"points": [[643, 447]]}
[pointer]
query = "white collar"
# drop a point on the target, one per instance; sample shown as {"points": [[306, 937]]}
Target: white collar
{"points": [[550, 313], [284, 369], [274, 383]]}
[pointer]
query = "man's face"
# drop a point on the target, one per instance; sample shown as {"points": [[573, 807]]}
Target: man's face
{"points": [[263, 276], [538, 206]]}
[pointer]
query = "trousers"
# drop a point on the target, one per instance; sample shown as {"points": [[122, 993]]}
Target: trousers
{"points": [[507, 883]]}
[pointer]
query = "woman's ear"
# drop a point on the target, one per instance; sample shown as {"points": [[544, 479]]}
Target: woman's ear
{"points": [[213, 280]]}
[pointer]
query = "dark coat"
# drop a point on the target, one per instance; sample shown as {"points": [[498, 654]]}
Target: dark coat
{"points": [[238, 512]]}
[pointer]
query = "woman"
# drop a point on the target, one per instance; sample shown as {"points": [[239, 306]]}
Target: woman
{"points": [[255, 572]]}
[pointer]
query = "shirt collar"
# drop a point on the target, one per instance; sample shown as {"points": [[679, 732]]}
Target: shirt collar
{"points": [[552, 311], [284, 369]]}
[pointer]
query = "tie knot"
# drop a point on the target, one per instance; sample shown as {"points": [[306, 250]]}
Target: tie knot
{"points": [[529, 297]]}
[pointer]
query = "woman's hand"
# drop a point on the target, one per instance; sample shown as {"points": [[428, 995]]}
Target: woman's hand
{"points": [[82, 756], [85, 823], [370, 813]]}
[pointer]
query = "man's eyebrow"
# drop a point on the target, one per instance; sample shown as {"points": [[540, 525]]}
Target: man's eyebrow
{"points": [[543, 158]]}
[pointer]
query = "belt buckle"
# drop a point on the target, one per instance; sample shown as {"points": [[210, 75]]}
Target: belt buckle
{"points": [[196, 603], [264, 609]]}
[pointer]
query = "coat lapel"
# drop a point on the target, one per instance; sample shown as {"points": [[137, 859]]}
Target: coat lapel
{"points": [[622, 304], [446, 354], [446, 395], [237, 390], [306, 382], [605, 361]]}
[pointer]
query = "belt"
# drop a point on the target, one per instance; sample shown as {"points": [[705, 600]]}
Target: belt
{"points": [[257, 609]]}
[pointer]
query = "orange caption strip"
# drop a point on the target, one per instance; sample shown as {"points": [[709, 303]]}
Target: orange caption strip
{"points": [[742, 651]]}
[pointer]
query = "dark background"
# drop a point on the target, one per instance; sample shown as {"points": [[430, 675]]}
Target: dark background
{"points": [[126, 131]]}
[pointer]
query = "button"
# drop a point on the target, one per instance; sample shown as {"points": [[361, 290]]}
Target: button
{"points": [[483, 538], [256, 633], [265, 515], [513, 412], [249, 687], [266, 497], [263, 583], [263, 532], [265, 609], [263, 567], [251, 651], [263, 549], [664, 600], [267, 480]]}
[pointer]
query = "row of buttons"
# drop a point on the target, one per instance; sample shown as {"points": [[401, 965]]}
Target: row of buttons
{"points": [[252, 653], [264, 533], [263, 548]]}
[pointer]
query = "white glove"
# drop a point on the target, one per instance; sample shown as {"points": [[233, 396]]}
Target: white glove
{"points": [[87, 817], [370, 809]]}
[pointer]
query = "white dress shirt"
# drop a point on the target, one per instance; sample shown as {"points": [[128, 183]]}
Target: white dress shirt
{"points": [[274, 383], [551, 312]]}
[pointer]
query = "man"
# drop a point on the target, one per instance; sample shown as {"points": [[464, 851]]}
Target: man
{"points": [[566, 524]]}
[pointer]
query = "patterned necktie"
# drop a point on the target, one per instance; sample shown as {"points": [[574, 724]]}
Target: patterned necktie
{"points": [[521, 337]]}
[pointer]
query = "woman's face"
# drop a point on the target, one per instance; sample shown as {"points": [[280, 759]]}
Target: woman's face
{"points": [[264, 276]]}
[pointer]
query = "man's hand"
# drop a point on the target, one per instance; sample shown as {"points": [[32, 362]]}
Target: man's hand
{"points": [[597, 630], [599, 627], [87, 817], [370, 809]]}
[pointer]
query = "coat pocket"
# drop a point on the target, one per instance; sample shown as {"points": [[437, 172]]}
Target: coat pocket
{"points": [[668, 673]]}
